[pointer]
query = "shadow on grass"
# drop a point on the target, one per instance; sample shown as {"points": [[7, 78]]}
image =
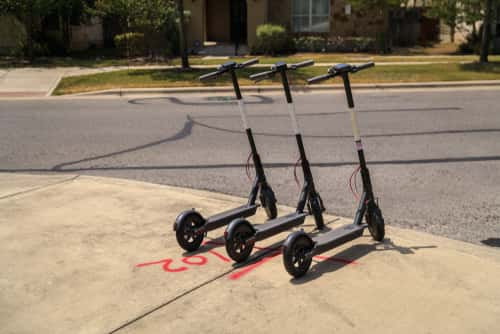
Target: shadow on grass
{"points": [[491, 67], [192, 76]]}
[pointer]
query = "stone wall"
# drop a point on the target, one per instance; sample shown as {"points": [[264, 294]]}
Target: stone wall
{"points": [[357, 24], [88, 35]]}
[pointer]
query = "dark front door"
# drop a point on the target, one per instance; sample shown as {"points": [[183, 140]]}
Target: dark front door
{"points": [[218, 20], [238, 20]]}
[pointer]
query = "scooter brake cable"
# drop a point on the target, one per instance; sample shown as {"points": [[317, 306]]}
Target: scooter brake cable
{"points": [[295, 172], [353, 175], [247, 167]]}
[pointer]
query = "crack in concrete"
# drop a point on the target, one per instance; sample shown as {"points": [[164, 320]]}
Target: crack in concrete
{"points": [[255, 259]]}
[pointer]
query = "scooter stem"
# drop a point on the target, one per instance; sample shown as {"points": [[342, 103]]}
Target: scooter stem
{"points": [[350, 103]]}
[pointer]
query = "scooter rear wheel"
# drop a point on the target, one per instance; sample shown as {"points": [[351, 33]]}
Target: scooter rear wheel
{"points": [[185, 232], [294, 257], [268, 201], [376, 224], [236, 245]]}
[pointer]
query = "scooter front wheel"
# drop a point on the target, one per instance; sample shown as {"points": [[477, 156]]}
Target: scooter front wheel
{"points": [[376, 224], [186, 234], [237, 246], [294, 255]]}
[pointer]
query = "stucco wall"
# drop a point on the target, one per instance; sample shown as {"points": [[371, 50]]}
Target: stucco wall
{"points": [[256, 15], [195, 27]]}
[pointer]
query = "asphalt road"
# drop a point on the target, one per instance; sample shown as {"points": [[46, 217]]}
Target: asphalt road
{"points": [[434, 154]]}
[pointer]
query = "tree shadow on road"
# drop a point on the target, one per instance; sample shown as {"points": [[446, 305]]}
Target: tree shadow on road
{"points": [[492, 242]]}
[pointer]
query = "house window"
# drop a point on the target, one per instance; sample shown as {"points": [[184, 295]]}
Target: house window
{"points": [[311, 15]]}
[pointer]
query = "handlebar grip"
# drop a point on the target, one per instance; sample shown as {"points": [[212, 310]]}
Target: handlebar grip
{"points": [[364, 66], [249, 63], [262, 76], [319, 78], [209, 76], [303, 64]]}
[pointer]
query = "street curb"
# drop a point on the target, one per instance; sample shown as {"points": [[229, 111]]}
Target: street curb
{"points": [[269, 88]]}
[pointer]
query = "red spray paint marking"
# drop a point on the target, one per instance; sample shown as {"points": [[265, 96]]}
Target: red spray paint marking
{"points": [[215, 253], [200, 262], [239, 274], [151, 263], [166, 265]]}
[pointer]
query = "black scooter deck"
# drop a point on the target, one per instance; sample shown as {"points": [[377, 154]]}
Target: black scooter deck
{"points": [[337, 237], [278, 225], [224, 218]]}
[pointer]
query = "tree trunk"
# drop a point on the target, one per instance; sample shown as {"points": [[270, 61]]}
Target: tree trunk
{"points": [[485, 40], [182, 35], [452, 33]]}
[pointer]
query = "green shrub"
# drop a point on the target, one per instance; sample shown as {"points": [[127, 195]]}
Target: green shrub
{"points": [[272, 39], [351, 44], [472, 43], [13, 36], [311, 44], [130, 44]]}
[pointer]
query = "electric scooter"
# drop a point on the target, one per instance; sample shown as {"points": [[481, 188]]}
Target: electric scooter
{"points": [[241, 235], [190, 226], [299, 248]]}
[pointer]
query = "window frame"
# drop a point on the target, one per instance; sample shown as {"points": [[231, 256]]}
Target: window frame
{"points": [[310, 16]]}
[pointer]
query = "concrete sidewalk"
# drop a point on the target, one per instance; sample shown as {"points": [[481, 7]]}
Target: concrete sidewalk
{"points": [[29, 82], [98, 255]]}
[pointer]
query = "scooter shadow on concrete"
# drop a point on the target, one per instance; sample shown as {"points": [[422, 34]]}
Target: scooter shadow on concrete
{"points": [[207, 246], [352, 254]]}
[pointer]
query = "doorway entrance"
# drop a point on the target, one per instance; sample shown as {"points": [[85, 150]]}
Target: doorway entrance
{"points": [[226, 21]]}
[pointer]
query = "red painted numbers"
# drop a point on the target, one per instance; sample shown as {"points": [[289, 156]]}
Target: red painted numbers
{"points": [[201, 260]]}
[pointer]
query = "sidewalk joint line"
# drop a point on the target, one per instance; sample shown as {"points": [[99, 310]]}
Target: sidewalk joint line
{"points": [[39, 188], [256, 259]]}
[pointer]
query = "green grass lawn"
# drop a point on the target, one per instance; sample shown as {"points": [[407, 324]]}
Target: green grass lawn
{"points": [[177, 78]]}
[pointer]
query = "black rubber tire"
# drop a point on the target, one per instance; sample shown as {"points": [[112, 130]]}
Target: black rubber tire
{"points": [[316, 208], [376, 224], [294, 256], [185, 232], [236, 246], [268, 201]]}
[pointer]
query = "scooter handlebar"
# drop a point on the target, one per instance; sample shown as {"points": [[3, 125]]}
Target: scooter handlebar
{"points": [[305, 63], [262, 76], [319, 78], [363, 67], [249, 63], [209, 76]]}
